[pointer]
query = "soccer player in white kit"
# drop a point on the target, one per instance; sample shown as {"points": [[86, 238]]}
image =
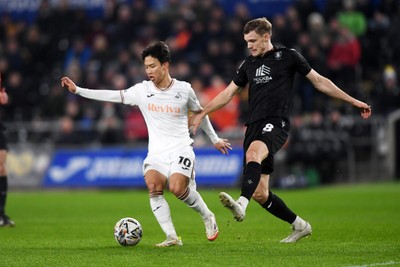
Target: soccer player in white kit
{"points": [[165, 104]]}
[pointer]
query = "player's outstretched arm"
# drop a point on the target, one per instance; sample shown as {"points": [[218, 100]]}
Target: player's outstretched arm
{"points": [[106, 95], [218, 102], [327, 87]]}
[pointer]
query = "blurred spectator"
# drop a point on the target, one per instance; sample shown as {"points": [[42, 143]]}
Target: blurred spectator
{"points": [[281, 33], [343, 59], [16, 110], [392, 40], [316, 27], [305, 8], [181, 70], [78, 52], [124, 28], [352, 19], [54, 103], [109, 126], [241, 13], [14, 55], [386, 95], [35, 46], [72, 109], [67, 135], [376, 44], [294, 26]]}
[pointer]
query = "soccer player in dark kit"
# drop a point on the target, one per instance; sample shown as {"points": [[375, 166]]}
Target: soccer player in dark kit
{"points": [[5, 221], [269, 71]]}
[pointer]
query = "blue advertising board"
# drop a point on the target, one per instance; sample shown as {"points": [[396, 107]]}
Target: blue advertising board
{"points": [[123, 168]]}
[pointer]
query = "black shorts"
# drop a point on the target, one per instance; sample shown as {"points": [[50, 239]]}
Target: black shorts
{"points": [[271, 131], [3, 141]]}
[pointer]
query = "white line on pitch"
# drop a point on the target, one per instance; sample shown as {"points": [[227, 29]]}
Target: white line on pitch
{"points": [[376, 264]]}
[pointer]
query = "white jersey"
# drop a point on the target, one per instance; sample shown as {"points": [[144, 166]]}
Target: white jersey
{"points": [[165, 111]]}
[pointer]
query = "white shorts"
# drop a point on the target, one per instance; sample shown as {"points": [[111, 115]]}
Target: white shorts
{"points": [[179, 161]]}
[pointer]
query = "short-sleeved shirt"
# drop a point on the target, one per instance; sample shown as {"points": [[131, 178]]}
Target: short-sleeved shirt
{"points": [[270, 78]]}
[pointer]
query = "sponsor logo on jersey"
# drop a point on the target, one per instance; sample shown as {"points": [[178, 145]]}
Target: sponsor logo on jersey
{"points": [[150, 95], [163, 108], [262, 75]]}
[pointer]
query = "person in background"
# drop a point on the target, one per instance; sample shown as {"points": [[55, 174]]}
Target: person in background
{"points": [[5, 221]]}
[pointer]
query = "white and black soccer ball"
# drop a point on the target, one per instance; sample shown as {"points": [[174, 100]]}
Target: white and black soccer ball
{"points": [[128, 231]]}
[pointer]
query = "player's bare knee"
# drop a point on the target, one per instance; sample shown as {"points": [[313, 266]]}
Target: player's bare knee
{"points": [[251, 155], [154, 187], [177, 189]]}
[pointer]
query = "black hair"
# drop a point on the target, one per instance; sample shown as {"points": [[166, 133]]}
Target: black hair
{"points": [[158, 50]]}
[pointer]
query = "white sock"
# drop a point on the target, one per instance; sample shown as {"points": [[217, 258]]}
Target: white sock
{"points": [[299, 223], [193, 199], [161, 211], [243, 202]]}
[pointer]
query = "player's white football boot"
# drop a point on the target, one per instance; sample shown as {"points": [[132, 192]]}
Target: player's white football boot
{"points": [[171, 241], [211, 227], [235, 207], [297, 234]]}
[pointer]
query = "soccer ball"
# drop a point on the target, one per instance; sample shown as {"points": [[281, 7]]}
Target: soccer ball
{"points": [[128, 232]]}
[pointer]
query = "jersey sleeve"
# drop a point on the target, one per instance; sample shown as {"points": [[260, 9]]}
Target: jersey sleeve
{"points": [[132, 95], [300, 62], [209, 130], [193, 102], [240, 78], [206, 125], [128, 96], [106, 95]]}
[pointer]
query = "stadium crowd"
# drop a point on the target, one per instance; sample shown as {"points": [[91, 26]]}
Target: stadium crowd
{"points": [[353, 42]]}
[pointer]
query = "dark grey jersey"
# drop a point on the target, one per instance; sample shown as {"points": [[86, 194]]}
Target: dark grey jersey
{"points": [[270, 78]]}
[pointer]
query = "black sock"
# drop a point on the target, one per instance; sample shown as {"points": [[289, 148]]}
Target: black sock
{"points": [[3, 194], [278, 208], [252, 175]]}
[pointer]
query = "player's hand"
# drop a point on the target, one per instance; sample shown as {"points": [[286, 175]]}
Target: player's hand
{"points": [[68, 84], [223, 145], [365, 109], [366, 112], [3, 96], [194, 122]]}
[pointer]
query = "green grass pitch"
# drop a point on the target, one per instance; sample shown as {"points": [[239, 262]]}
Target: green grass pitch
{"points": [[353, 225]]}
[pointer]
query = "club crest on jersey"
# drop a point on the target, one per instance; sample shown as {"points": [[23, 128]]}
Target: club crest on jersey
{"points": [[278, 55], [262, 75], [178, 96]]}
